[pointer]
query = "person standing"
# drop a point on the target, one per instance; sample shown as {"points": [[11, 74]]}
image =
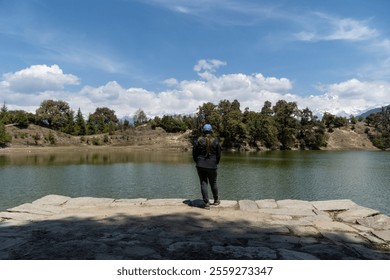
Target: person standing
{"points": [[206, 152]]}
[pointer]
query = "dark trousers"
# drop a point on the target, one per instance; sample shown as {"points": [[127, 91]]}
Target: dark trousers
{"points": [[208, 176]]}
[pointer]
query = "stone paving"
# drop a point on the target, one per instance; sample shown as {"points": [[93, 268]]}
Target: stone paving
{"points": [[60, 227]]}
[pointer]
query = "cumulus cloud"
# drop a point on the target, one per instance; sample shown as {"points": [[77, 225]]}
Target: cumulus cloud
{"points": [[184, 97], [38, 78]]}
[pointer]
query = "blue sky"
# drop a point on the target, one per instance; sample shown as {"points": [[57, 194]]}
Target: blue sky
{"points": [[170, 56]]}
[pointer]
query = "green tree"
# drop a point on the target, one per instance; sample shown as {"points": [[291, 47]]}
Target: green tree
{"points": [[5, 138], [80, 125], [140, 118], [207, 113], [173, 123], [286, 114], [381, 121], [103, 120], [332, 121], [267, 109], [56, 114], [20, 118], [232, 128], [261, 128], [4, 114], [312, 131]]}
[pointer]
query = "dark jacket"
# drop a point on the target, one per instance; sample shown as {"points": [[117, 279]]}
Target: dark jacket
{"points": [[203, 157]]}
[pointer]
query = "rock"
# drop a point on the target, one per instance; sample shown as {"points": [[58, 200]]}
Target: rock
{"points": [[304, 230], [240, 252], [333, 226], [52, 199], [383, 234], [287, 211], [345, 237], [88, 202], [56, 227], [353, 214], [37, 209], [164, 202], [334, 205], [296, 204], [287, 254], [377, 222], [248, 205], [266, 203], [228, 204], [128, 202]]}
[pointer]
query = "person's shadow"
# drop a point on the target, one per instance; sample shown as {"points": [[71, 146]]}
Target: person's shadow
{"points": [[199, 203]]}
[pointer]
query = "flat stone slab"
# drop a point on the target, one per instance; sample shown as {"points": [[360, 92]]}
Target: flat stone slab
{"points": [[248, 205], [164, 202], [267, 203], [287, 211], [292, 203], [128, 202], [52, 199], [88, 202], [108, 228], [324, 226], [334, 205], [383, 234], [356, 213], [378, 222], [31, 208]]}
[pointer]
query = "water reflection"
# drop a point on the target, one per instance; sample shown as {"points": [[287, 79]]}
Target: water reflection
{"points": [[105, 157]]}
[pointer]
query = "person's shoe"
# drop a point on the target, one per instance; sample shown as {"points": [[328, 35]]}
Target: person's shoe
{"points": [[217, 202], [207, 206]]}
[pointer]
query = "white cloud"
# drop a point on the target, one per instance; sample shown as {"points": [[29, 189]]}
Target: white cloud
{"points": [[171, 82], [323, 27], [38, 78], [349, 97], [210, 65], [184, 97]]}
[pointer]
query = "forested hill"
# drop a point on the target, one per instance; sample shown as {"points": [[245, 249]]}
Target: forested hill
{"points": [[281, 126], [144, 136]]}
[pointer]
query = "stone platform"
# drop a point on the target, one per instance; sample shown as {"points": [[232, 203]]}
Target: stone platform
{"points": [[59, 227]]}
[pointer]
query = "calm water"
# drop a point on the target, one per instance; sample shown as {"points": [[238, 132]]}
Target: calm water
{"points": [[308, 175]]}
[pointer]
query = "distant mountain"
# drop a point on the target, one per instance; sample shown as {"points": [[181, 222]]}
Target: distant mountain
{"points": [[372, 111]]}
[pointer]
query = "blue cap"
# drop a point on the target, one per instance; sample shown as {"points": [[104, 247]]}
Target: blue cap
{"points": [[207, 128]]}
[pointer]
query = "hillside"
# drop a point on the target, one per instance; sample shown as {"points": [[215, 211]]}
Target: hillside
{"points": [[142, 137], [344, 138]]}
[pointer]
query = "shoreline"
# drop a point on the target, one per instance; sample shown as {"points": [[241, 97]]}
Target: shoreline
{"points": [[92, 148], [60, 227]]}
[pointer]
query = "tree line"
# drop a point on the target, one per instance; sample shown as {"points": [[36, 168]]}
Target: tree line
{"points": [[276, 126]]}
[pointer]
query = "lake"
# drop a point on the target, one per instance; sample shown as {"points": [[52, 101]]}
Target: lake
{"points": [[362, 176]]}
